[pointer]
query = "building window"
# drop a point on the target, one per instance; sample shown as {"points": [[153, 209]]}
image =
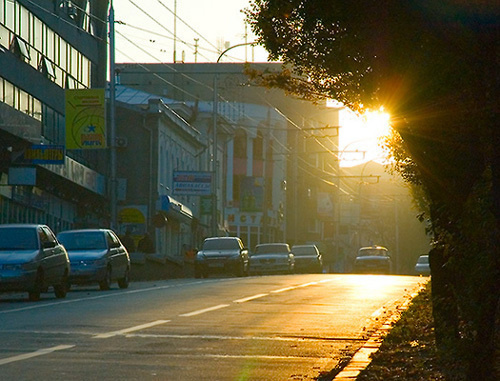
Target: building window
{"points": [[240, 144], [20, 48], [258, 147], [70, 82], [46, 68]]}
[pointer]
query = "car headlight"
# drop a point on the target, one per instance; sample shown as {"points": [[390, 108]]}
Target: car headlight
{"points": [[200, 256], [98, 262], [14, 267]]}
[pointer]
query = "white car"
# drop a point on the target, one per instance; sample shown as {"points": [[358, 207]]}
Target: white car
{"points": [[422, 266], [272, 258]]}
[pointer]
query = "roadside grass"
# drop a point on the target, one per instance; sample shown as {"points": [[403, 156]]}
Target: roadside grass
{"points": [[409, 351]]}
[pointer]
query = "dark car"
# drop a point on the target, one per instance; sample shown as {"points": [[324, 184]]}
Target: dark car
{"points": [[373, 259], [307, 258], [97, 256], [221, 254], [272, 258], [32, 259]]}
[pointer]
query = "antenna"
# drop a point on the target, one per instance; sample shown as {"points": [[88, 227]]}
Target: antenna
{"points": [[196, 49]]}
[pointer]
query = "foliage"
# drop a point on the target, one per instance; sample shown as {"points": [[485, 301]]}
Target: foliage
{"points": [[409, 351]]}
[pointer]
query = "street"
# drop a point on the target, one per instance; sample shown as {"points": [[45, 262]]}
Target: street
{"points": [[283, 327]]}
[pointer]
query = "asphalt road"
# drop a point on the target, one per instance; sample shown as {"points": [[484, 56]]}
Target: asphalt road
{"points": [[283, 327]]}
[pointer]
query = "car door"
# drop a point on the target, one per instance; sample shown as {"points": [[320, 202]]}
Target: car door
{"points": [[117, 255], [49, 258]]}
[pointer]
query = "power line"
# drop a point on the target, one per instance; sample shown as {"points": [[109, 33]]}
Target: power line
{"points": [[189, 26]]}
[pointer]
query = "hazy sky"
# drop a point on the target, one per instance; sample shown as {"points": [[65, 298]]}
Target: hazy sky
{"points": [[147, 33], [145, 30]]}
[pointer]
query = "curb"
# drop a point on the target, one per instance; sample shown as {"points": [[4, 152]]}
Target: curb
{"points": [[362, 358]]}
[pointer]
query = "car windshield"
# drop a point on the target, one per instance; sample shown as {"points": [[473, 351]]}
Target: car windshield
{"points": [[221, 244], [83, 240], [304, 250], [271, 249], [423, 259], [372, 253], [18, 239]]}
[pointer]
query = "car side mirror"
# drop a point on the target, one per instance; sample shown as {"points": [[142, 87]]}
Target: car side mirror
{"points": [[48, 244]]}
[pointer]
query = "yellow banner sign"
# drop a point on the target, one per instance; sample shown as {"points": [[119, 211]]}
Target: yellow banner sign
{"points": [[85, 119]]}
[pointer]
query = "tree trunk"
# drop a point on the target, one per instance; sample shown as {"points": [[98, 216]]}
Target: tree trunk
{"points": [[444, 303]]}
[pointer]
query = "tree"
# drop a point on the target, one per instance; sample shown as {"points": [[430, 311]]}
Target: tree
{"points": [[433, 66]]}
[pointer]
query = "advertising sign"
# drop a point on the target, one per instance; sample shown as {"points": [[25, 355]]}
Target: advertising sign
{"points": [[251, 194], [85, 119], [42, 154], [192, 183]]}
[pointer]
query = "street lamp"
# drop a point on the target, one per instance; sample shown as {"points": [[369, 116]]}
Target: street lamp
{"points": [[215, 230], [112, 122]]}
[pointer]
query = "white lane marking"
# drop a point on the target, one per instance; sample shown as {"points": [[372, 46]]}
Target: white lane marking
{"points": [[247, 338], [37, 353], [284, 289], [264, 357], [131, 329], [307, 284], [243, 300], [199, 312], [107, 295]]}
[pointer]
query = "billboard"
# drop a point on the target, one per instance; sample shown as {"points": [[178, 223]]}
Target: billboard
{"points": [[251, 194], [85, 119], [192, 183]]}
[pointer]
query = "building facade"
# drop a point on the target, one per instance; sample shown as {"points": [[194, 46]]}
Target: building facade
{"points": [[277, 188], [47, 47]]}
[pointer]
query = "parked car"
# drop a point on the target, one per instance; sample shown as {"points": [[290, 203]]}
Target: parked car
{"points": [[97, 256], [32, 259], [221, 255], [422, 266], [272, 258], [307, 258], [373, 259]]}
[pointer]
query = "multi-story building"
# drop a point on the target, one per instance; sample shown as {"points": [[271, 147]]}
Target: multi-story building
{"points": [[281, 171], [46, 47], [157, 139]]}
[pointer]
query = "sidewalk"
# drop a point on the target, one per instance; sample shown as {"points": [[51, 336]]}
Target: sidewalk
{"points": [[403, 349]]}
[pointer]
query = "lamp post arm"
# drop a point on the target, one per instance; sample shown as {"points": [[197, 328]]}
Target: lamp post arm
{"points": [[235, 46]]}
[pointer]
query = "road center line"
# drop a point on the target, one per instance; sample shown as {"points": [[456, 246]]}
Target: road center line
{"points": [[307, 284], [284, 289], [131, 329], [199, 312], [37, 353], [243, 300]]}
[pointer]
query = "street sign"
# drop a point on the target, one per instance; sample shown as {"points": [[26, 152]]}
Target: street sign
{"points": [[206, 205], [192, 183]]}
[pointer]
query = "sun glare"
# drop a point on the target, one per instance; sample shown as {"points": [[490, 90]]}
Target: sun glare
{"points": [[359, 138]]}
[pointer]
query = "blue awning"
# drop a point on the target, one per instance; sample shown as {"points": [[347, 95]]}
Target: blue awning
{"points": [[175, 209]]}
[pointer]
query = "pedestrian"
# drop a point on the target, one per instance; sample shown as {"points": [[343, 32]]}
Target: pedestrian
{"points": [[128, 241], [146, 245]]}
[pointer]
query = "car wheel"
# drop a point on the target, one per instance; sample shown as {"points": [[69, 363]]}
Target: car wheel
{"points": [[123, 282], [61, 289], [34, 294], [105, 283]]}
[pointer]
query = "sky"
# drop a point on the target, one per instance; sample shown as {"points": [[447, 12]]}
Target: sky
{"points": [[145, 33], [215, 23]]}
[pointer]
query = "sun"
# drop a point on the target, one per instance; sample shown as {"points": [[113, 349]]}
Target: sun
{"points": [[359, 136]]}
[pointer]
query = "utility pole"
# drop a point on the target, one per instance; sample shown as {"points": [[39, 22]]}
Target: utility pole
{"points": [[112, 122], [175, 31], [215, 110]]}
